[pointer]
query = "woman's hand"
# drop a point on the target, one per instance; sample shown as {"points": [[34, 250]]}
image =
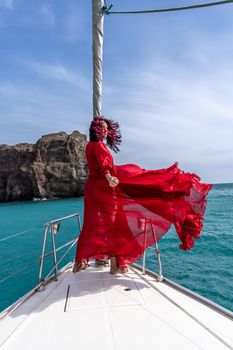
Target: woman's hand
{"points": [[112, 180]]}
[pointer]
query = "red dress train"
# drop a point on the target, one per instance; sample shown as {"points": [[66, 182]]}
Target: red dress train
{"points": [[124, 220]]}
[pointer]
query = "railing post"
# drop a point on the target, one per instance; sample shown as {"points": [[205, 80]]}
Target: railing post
{"points": [[157, 251], [42, 254], [160, 278], [54, 251], [143, 227], [79, 222]]}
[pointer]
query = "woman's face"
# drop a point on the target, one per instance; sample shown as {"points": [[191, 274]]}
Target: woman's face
{"points": [[104, 127]]}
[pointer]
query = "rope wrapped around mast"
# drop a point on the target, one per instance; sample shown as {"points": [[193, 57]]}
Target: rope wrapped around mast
{"points": [[97, 51]]}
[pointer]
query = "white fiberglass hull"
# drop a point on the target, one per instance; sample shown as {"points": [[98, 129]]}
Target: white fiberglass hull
{"points": [[95, 310]]}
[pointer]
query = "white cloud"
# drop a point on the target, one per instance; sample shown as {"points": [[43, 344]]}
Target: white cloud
{"points": [[29, 110], [168, 83], [75, 22], [59, 72], [8, 4], [169, 112], [71, 28], [47, 14]]}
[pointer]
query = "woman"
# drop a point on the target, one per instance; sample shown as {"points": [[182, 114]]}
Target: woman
{"points": [[127, 208]]}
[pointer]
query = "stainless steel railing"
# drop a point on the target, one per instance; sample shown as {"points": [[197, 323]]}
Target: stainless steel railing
{"points": [[144, 225], [53, 227]]}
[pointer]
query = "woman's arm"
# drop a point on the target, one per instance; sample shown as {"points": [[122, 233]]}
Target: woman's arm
{"points": [[105, 162], [103, 158]]}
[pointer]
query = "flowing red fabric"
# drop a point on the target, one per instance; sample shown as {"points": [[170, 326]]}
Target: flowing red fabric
{"points": [[125, 220]]}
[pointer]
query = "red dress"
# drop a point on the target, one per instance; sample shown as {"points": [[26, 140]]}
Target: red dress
{"points": [[124, 220]]}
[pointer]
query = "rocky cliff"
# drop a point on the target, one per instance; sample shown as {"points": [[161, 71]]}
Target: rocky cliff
{"points": [[54, 167]]}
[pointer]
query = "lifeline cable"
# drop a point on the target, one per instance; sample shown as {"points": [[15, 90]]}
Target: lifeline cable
{"points": [[219, 338], [19, 234]]}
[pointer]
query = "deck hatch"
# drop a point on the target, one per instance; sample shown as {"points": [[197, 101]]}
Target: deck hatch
{"points": [[103, 293]]}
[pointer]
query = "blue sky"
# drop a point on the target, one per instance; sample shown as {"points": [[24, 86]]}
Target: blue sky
{"points": [[168, 79]]}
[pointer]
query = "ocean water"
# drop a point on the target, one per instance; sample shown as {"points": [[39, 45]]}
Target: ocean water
{"points": [[207, 269]]}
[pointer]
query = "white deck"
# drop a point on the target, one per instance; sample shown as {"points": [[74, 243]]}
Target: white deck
{"points": [[102, 314]]}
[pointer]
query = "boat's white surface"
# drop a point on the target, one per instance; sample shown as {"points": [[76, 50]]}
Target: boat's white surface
{"points": [[120, 312]]}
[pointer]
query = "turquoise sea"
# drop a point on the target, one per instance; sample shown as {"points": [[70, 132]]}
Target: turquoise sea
{"points": [[207, 269]]}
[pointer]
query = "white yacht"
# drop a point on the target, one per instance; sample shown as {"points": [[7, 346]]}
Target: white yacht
{"points": [[93, 309]]}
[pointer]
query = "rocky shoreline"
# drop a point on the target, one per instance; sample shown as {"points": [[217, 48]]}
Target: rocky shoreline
{"points": [[54, 167]]}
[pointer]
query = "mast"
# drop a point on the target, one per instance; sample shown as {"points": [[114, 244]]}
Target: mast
{"points": [[97, 52]]}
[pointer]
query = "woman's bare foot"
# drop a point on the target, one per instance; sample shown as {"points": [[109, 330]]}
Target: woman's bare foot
{"points": [[124, 269], [79, 266], [119, 270], [114, 268], [113, 265]]}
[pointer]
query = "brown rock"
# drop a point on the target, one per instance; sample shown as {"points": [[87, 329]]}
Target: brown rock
{"points": [[54, 167]]}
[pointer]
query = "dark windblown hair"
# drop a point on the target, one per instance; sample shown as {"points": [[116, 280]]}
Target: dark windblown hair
{"points": [[114, 135]]}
